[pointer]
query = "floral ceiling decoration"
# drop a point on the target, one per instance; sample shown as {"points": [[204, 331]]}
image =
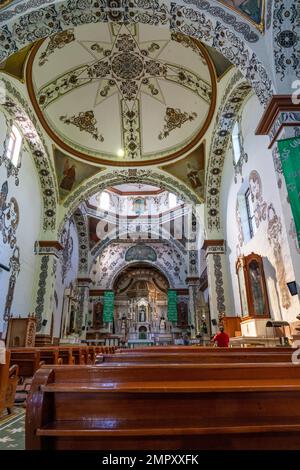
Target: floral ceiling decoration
{"points": [[131, 92]]}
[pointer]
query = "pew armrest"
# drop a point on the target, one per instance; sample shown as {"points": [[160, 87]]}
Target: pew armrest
{"points": [[13, 371]]}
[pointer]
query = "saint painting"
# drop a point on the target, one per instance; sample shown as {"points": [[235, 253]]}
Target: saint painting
{"points": [[251, 8], [194, 176], [69, 175]]}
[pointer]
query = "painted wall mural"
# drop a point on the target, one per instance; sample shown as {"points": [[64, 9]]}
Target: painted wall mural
{"points": [[83, 240], [260, 206], [141, 252], [275, 240], [71, 173], [9, 217], [190, 170], [112, 259]]}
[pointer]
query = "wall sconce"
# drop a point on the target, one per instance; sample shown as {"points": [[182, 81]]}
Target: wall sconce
{"points": [[292, 287]]}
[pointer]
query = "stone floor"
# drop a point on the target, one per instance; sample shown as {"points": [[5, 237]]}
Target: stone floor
{"points": [[12, 429]]}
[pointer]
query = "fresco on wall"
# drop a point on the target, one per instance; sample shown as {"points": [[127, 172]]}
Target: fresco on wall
{"points": [[71, 173], [253, 9], [190, 170]]}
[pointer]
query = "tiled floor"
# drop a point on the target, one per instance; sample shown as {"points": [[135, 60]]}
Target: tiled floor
{"points": [[12, 430]]}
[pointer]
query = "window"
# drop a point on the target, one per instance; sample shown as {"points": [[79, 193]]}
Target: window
{"points": [[14, 146], [172, 200], [104, 201], [250, 213], [236, 142]]}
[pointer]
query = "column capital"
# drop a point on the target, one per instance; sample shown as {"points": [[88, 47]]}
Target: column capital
{"points": [[48, 247], [192, 280], [281, 111], [214, 246], [84, 281]]}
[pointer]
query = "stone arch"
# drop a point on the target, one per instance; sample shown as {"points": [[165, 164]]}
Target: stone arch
{"points": [[122, 263], [99, 247], [16, 107], [111, 177], [146, 263], [138, 266], [195, 18], [237, 91]]}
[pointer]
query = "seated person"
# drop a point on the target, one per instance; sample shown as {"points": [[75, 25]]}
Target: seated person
{"points": [[221, 339]]}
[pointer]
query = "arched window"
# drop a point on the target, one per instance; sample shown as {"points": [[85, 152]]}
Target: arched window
{"points": [[14, 146], [236, 142], [172, 200], [104, 201]]}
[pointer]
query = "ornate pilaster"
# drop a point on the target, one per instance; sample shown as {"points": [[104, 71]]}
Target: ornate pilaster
{"points": [[47, 255], [218, 285], [83, 284], [193, 284], [281, 120]]}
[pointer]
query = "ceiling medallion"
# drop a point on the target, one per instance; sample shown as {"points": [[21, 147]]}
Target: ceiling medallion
{"points": [[109, 84]]}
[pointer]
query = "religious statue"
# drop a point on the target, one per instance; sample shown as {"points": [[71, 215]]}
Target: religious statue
{"points": [[142, 314]]}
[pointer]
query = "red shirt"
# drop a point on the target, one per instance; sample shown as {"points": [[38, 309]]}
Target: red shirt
{"points": [[222, 340]]}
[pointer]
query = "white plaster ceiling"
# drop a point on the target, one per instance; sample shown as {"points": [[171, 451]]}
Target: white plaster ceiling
{"points": [[103, 88]]}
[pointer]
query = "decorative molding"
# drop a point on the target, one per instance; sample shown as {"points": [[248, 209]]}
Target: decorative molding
{"points": [[211, 245], [9, 217], [42, 285], [234, 97], [48, 247], [219, 283], [280, 112], [286, 17], [14, 267]]}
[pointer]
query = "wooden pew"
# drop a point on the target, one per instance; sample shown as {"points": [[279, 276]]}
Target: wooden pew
{"points": [[28, 360], [186, 357], [202, 350], [165, 406], [8, 383]]}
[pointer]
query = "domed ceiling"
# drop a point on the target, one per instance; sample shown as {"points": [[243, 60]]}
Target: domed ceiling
{"points": [[122, 94]]}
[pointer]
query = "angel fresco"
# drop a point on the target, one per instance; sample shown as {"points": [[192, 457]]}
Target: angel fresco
{"points": [[69, 175]]}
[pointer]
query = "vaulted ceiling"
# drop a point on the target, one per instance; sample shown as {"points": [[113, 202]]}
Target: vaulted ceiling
{"points": [[122, 94]]}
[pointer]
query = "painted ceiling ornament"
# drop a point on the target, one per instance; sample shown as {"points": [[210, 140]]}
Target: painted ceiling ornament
{"points": [[85, 121], [140, 252], [174, 119], [125, 75], [58, 41]]}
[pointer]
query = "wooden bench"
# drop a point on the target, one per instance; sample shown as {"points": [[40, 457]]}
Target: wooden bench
{"points": [[203, 350], [28, 360], [8, 383], [165, 406], [203, 358]]}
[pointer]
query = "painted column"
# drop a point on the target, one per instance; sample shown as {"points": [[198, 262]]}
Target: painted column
{"points": [[281, 120], [193, 284], [83, 284], [218, 285], [43, 297]]}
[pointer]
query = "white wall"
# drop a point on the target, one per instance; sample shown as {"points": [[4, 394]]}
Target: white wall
{"points": [[259, 159], [27, 194]]}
